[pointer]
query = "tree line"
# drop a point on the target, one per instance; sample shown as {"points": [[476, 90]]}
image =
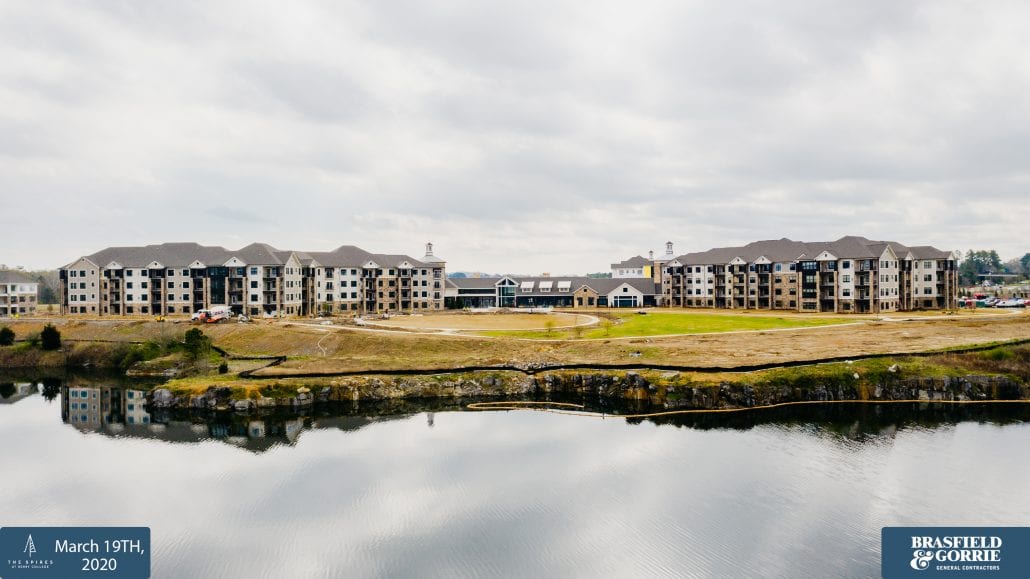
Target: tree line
{"points": [[987, 261]]}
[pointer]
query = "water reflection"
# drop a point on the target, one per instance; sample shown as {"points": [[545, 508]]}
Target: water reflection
{"points": [[423, 488], [120, 410]]}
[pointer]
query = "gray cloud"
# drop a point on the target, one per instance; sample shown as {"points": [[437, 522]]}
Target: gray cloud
{"points": [[526, 137]]}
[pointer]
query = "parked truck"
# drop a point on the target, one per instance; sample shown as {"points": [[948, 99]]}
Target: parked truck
{"points": [[212, 315]]}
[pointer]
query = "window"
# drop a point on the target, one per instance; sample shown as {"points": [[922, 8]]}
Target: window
{"points": [[128, 285], [253, 284], [845, 265], [171, 297], [128, 273], [779, 267], [253, 271], [845, 278], [185, 297], [143, 285], [185, 273]]}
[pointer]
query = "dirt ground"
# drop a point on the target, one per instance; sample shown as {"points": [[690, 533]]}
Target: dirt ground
{"points": [[467, 322], [316, 349]]}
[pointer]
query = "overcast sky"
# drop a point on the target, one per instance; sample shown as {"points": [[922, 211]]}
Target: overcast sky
{"points": [[519, 136]]}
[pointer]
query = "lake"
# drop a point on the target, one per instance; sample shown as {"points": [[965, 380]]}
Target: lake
{"points": [[431, 489]]}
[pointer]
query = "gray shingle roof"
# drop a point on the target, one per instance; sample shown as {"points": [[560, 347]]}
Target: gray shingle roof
{"points": [[168, 254], [390, 260], [635, 261], [177, 255], [601, 285], [482, 283], [11, 276], [786, 250]]}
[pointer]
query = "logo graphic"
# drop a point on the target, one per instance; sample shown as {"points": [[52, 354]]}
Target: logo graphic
{"points": [[30, 547], [921, 560]]}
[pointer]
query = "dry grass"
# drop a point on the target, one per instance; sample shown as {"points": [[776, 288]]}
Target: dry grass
{"points": [[485, 321], [352, 350]]}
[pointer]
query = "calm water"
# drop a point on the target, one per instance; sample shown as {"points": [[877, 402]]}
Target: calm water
{"points": [[406, 490]]}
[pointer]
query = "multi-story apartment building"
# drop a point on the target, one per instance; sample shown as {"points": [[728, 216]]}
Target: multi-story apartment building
{"points": [[257, 280], [349, 279], [18, 294], [852, 274]]}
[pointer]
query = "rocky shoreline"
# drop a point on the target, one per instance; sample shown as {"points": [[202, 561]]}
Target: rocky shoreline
{"points": [[658, 390]]}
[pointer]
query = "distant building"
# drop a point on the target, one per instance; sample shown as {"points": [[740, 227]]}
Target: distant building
{"points": [[635, 266], [257, 280], [19, 294], [851, 274]]}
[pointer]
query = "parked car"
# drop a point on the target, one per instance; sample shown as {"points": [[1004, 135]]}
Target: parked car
{"points": [[1013, 303]]}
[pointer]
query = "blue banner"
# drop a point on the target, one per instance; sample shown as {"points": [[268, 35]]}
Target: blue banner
{"points": [[955, 552], [68, 552]]}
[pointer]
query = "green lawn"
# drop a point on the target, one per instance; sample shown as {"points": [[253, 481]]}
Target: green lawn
{"points": [[662, 324]]}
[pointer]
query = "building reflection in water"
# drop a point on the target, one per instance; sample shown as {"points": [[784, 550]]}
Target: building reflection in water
{"points": [[121, 411], [95, 407]]}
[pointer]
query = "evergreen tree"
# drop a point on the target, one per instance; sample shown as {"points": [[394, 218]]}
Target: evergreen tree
{"points": [[50, 338]]}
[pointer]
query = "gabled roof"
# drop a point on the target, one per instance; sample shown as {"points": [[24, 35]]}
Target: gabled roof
{"points": [[11, 276], [260, 254], [478, 283], [176, 255], [602, 285], [787, 250], [390, 260], [635, 261], [928, 252], [168, 254]]}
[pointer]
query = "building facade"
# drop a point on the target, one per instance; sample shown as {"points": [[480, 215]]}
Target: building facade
{"points": [[257, 280], [558, 292], [850, 275], [19, 294]]}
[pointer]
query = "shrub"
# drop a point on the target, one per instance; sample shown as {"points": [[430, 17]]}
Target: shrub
{"points": [[196, 343], [6, 336], [998, 354], [223, 368], [50, 338]]}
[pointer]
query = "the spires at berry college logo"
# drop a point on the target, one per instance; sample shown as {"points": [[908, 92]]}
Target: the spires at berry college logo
{"points": [[30, 547]]}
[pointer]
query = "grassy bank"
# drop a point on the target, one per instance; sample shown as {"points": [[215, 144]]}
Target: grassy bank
{"points": [[632, 324], [1010, 362], [310, 348]]}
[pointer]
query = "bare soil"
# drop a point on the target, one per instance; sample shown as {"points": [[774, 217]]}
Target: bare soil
{"points": [[315, 349]]}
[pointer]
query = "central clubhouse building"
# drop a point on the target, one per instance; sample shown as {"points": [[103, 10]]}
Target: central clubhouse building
{"points": [[849, 275]]}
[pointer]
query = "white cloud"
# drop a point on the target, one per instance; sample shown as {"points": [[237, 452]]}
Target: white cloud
{"points": [[525, 137]]}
